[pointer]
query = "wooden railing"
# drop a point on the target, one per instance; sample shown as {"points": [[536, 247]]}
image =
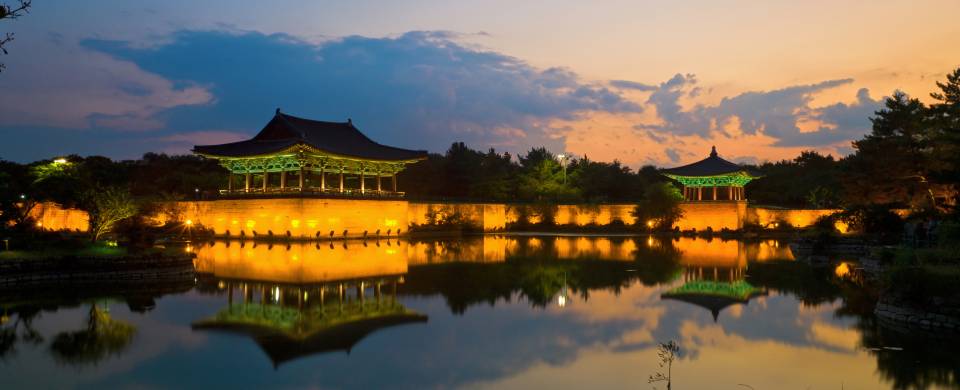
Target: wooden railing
{"points": [[312, 191]]}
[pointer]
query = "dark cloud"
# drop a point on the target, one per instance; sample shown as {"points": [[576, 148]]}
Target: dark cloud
{"points": [[627, 84], [673, 154], [776, 113], [420, 89]]}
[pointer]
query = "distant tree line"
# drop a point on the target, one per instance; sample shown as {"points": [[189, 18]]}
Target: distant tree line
{"points": [[910, 159]]}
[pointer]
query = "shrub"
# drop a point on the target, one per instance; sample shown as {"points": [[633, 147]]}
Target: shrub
{"points": [[660, 207]]}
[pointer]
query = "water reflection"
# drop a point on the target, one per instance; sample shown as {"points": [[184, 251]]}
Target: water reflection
{"points": [[291, 321], [504, 311]]}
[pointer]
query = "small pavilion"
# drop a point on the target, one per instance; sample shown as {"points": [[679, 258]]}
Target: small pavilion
{"points": [[722, 179], [292, 155]]}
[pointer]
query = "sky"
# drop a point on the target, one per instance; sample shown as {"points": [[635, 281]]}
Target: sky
{"points": [[641, 82]]}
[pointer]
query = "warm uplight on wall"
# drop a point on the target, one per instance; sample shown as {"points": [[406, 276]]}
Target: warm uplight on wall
{"points": [[60, 161], [650, 224], [189, 222], [39, 224]]}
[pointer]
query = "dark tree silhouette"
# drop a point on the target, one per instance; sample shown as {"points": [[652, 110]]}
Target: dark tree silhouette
{"points": [[8, 11]]}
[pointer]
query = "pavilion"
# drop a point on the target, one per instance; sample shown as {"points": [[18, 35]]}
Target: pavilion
{"points": [[712, 172], [304, 148]]}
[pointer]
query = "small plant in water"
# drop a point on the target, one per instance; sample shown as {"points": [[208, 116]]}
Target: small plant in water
{"points": [[666, 352]]}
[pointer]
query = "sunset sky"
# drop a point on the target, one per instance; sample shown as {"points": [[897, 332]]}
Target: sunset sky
{"points": [[641, 82]]}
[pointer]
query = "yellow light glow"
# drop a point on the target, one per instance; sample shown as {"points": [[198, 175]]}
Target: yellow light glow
{"points": [[390, 222], [189, 222], [650, 223], [561, 301], [841, 227], [295, 223], [842, 270], [39, 224], [251, 223], [60, 161]]}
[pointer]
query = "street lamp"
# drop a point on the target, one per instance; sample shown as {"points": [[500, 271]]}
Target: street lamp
{"points": [[563, 164]]}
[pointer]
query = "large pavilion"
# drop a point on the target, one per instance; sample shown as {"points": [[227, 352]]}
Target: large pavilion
{"points": [[712, 173], [309, 151]]}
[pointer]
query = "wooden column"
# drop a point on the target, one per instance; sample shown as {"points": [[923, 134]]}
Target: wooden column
{"points": [[378, 181], [341, 177], [714, 192], [699, 193], [394, 181], [323, 177], [730, 193], [230, 182], [283, 179], [301, 178], [363, 181], [265, 177], [249, 178]]}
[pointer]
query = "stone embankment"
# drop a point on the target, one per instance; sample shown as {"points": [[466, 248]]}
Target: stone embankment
{"points": [[128, 269], [918, 319]]}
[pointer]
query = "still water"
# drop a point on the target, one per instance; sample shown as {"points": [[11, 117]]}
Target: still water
{"points": [[487, 312]]}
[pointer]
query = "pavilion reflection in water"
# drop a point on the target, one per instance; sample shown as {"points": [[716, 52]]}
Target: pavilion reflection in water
{"points": [[714, 280], [304, 298], [315, 315]]}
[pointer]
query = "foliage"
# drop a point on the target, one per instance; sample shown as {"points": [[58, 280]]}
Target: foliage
{"points": [[810, 180], [107, 207], [537, 176], [876, 220], [446, 218], [102, 337], [660, 207]]}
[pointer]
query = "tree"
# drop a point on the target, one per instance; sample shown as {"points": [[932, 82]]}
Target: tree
{"points": [[542, 178], [102, 337], [107, 207], [667, 352], [945, 137], [900, 130], [8, 11], [660, 207]]}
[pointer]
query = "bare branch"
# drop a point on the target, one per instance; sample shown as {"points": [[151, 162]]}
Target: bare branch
{"points": [[13, 12]]}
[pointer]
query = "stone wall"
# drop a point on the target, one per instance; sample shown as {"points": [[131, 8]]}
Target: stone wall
{"points": [[52, 216], [490, 216], [306, 217], [919, 319], [767, 216], [298, 218]]}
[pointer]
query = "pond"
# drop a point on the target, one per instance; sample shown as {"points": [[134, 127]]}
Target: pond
{"points": [[489, 312]]}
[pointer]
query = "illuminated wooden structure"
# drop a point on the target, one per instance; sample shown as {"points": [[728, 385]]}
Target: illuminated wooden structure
{"points": [[293, 321], [723, 179], [310, 151]]}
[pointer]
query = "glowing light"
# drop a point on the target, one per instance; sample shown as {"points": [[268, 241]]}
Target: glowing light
{"points": [[841, 227], [251, 223], [295, 223], [221, 285], [842, 270], [390, 223], [189, 249], [60, 161], [561, 301], [39, 224], [189, 222], [650, 223]]}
